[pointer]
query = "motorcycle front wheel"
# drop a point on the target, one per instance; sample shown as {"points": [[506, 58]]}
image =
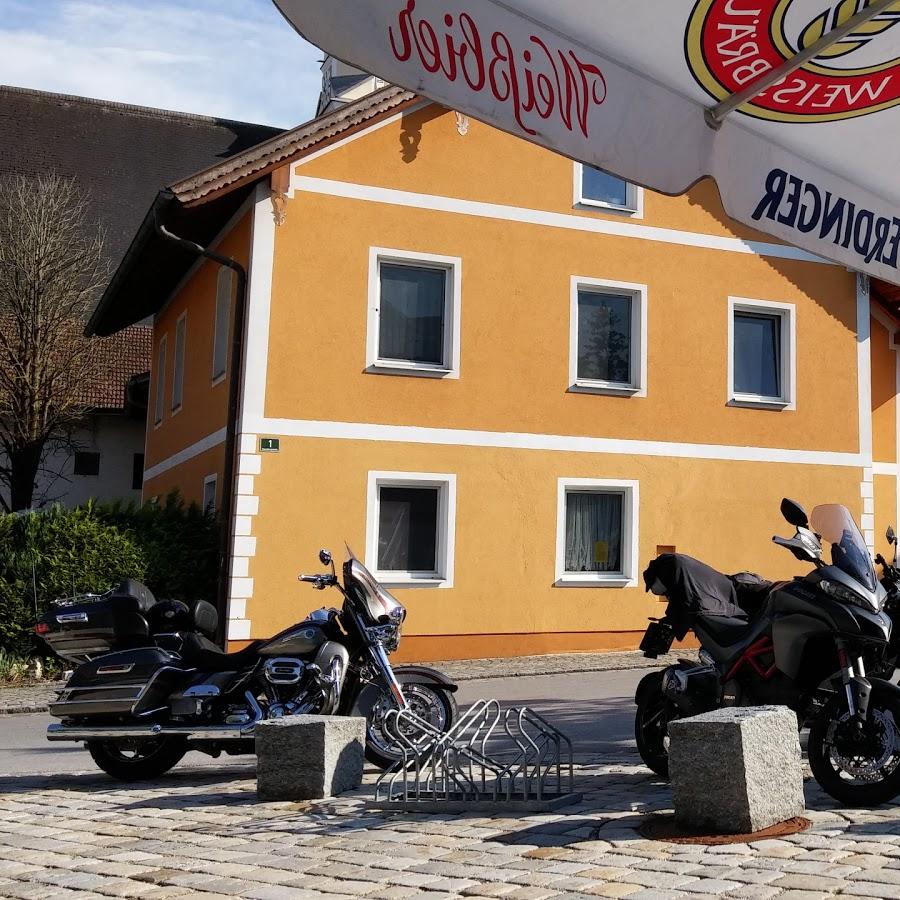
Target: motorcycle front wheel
{"points": [[857, 763], [436, 707], [137, 760]]}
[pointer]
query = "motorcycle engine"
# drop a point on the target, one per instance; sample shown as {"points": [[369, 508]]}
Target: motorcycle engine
{"points": [[291, 687], [693, 689]]}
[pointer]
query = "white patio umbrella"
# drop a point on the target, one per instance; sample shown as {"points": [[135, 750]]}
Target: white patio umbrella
{"points": [[792, 106]]}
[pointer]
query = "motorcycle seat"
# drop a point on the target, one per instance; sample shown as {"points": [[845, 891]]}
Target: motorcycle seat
{"points": [[725, 630], [201, 653]]}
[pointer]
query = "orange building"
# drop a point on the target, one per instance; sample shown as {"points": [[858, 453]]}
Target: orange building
{"points": [[504, 380]]}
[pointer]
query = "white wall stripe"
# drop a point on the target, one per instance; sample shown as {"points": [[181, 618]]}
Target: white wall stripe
{"points": [[207, 443], [884, 468], [526, 216], [410, 434]]}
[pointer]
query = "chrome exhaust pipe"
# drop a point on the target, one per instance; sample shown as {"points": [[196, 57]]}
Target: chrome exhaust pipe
{"points": [[58, 732], [80, 733]]}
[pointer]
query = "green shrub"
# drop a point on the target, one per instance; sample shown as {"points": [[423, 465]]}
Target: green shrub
{"points": [[172, 548]]}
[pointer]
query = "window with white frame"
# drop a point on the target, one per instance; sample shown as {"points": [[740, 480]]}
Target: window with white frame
{"points": [[210, 484], [597, 532], [414, 311], [160, 381], [761, 353], [596, 188], [224, 292], [608, 340], [410, 529], [178, 377]]}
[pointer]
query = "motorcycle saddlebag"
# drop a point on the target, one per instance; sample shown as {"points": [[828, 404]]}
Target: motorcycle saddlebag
{"points": [[131, 682], [91, 627]]}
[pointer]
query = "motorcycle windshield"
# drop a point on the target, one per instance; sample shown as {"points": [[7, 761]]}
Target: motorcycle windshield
{"points": [[379, 601], [835, 526]]}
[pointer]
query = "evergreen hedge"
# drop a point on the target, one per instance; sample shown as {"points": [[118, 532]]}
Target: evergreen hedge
{"points": [[45, 555]]}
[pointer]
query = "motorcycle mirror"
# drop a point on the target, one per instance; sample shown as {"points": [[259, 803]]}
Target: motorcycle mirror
{"points": [[325, 557], [794, 513], [889, 534]]}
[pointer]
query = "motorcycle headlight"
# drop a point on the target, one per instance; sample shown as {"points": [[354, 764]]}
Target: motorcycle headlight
{"points": [[845, 595]]}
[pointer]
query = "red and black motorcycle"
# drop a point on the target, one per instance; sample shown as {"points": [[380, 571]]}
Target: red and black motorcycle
{"points": [[807, 644]]}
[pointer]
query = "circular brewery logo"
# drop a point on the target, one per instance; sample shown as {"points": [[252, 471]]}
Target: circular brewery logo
{"points": [[732, 43]]}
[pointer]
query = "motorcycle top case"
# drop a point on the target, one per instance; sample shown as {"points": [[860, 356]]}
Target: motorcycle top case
{"points": [[114, 621], [130, 682]]}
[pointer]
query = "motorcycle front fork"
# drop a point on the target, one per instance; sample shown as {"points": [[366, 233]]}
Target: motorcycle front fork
{"points": [[382, 664], [857, 688]]}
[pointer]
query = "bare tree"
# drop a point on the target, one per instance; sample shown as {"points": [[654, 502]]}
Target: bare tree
{"points": [[52, 270]]}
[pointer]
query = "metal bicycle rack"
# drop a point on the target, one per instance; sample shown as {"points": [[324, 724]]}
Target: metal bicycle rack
{"points": [[512, 758]]}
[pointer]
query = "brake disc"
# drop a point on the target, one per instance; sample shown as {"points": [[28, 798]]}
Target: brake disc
{"points": [[878, 750]]}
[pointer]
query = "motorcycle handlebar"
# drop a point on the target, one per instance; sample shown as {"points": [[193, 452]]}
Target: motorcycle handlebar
{"points": [[320, 581]]}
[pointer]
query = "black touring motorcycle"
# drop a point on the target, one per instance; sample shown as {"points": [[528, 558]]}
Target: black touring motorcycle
{"points": [[151, 685], [812, 644]]}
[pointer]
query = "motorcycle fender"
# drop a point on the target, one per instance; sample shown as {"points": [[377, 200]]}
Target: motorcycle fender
{"points": [[368, 696], [647, 683], [883, 688]]}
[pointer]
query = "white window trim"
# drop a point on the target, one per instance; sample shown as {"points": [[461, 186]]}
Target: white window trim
{"points": [[175, 409], [446, 528], [452, 314], [630, 514], [638, 292], [788, 314], [223, 271], [633, 209], [213, 480], [159, 399]]}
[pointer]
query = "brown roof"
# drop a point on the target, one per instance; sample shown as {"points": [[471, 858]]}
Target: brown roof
{"points": [[121, 357], [280, 150], [119, 154]]}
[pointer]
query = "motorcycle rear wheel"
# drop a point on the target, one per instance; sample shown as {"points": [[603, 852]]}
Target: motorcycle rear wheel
{"points": [[651, 726], [139, 761], [857, 768]]}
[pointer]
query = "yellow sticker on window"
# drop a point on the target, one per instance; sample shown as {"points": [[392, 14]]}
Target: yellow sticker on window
{"points": [[601, 551]]}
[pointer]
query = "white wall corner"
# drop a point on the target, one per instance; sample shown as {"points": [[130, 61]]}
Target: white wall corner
{"points": [[238, 629], [869, 506], [249, 464], [868, 473], [243, 526], [240, 567], [864, 365], [867, 522], [237, 609], [245, 485], [248, 443], [866, 489], [244, 546], [241, 589], [247, 506]]}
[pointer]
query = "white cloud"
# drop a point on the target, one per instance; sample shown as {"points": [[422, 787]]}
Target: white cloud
{"points": [[224, 58]]}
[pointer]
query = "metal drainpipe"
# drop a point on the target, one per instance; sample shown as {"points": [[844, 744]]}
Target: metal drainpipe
{"points": [[229, 495]]}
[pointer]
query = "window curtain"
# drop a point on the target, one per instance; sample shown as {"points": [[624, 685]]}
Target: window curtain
{"points": [[411, 325], [593, 532], [757, 355]]}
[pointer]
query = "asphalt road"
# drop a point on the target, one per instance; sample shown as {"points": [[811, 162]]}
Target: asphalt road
{"points": [[595, 709]]}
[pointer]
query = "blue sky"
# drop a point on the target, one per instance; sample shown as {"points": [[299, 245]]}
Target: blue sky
{"points": [[236, 59]]}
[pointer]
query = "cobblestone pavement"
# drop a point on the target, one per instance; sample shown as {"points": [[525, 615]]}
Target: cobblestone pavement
{"points": [[191, 835], [34, 698]]}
